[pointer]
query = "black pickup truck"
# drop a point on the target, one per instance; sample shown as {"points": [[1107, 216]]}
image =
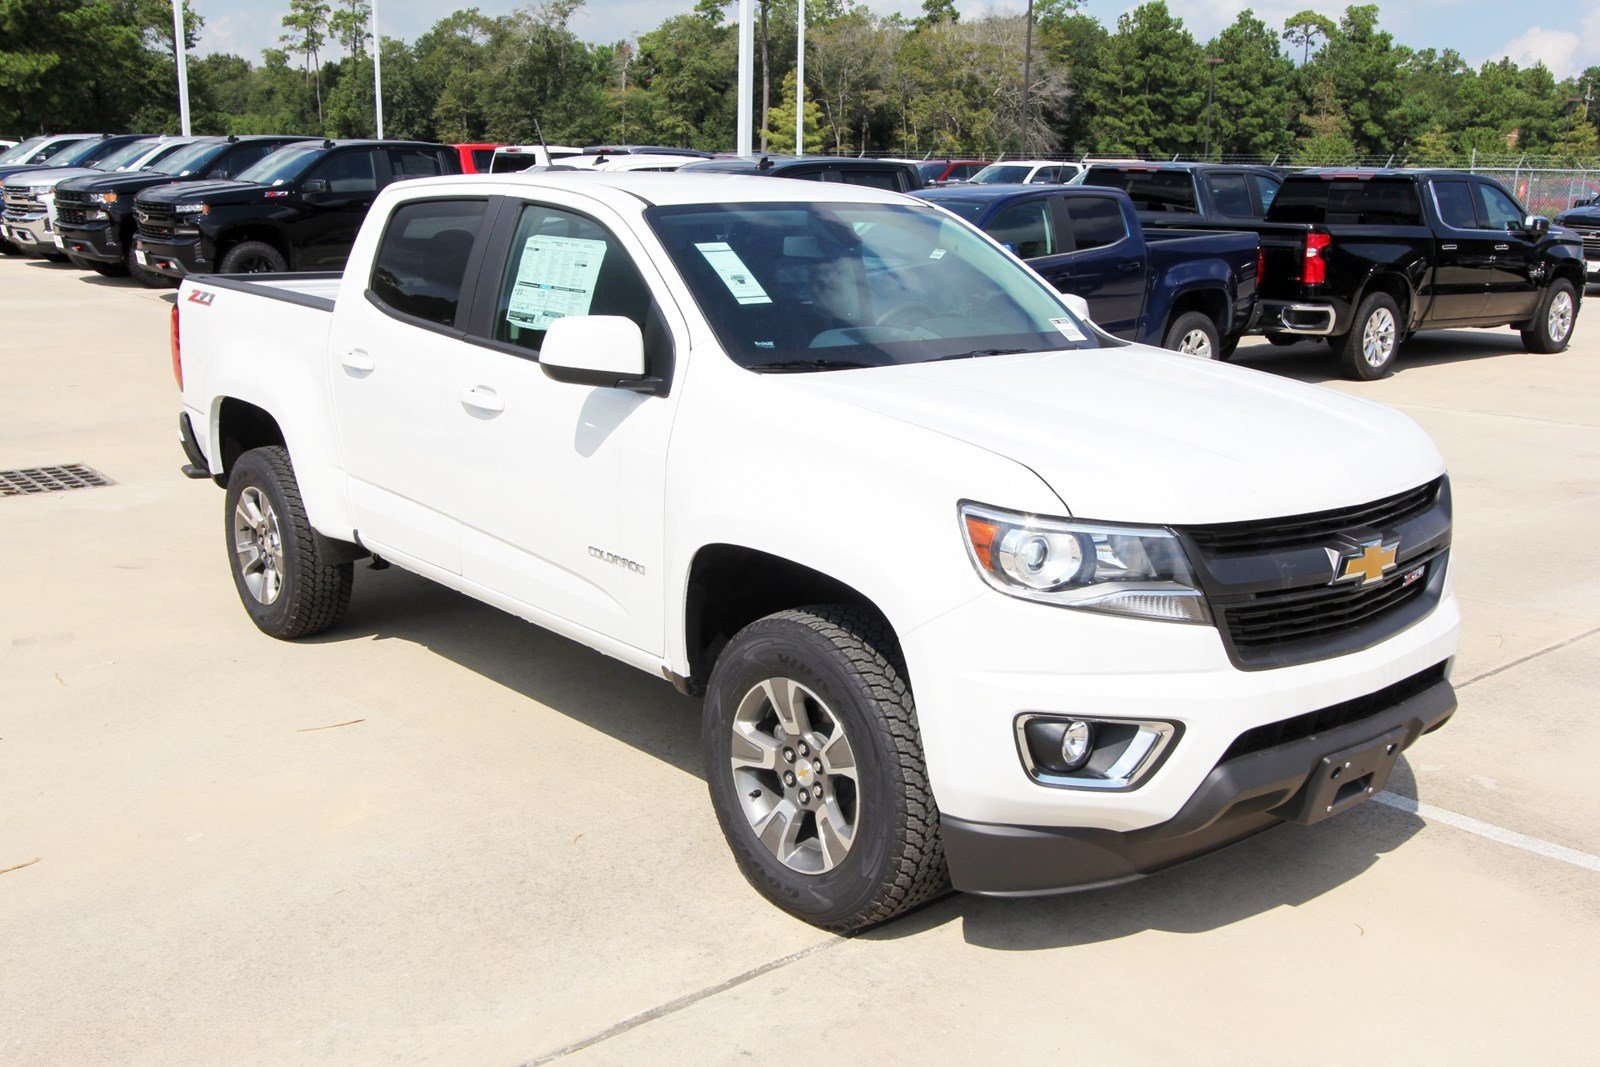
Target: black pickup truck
{"points": [[94, 215], [298, 209], [1365, 258]]}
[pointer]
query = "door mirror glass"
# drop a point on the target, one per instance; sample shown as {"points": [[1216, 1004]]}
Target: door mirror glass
{"points": [[593, 350], [314, 187]]}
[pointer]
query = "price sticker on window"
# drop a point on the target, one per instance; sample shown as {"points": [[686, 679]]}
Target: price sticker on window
{"points": [[555, 278], [735, 275]]}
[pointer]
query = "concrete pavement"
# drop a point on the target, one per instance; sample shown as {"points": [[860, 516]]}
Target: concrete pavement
{"points": [[438, 834]]}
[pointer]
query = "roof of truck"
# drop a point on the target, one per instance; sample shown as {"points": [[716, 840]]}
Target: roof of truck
{"points": [[675, 189]]}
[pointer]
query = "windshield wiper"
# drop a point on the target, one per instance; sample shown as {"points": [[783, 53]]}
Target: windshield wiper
{"points": [[799, 366], [976, 352]]}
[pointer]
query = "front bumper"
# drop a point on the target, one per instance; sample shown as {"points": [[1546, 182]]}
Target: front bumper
{"points": [[94, 240], [175, 259], [1239, 798], [28, 231]]}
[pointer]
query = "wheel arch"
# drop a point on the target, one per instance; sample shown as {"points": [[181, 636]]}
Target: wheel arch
{"points": [[1397, 287], [266, 233], [1209, 300]]}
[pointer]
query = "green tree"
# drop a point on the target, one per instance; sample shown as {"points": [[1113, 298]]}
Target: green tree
{"points": [[780, 131], [1150, 88], [1255, 98], [306, 31], [1364, 66], [1304, 29]]}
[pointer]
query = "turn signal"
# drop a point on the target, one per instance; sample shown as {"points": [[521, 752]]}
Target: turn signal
{"points": [[177, 350], [1315, 271]]}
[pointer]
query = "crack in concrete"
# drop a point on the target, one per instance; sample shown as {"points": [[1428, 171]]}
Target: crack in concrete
{"points": [[1530, 656]]}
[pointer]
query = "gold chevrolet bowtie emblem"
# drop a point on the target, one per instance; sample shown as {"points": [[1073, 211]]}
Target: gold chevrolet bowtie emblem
{"points": [[1367, 565]]}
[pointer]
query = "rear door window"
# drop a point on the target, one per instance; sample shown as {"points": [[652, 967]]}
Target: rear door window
{"points": [[872, 179], [1025, 229], [347, 172], [1266, 191], [1454, 201], [422, 258], [1349, 201], [1096, 221], [413, 163], [1230, 193], [242, 159]]}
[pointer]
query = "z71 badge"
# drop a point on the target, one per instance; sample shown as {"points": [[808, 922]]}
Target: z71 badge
{"points": [[203, 297]]}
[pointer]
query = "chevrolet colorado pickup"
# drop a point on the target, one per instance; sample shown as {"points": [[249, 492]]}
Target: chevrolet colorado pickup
{"points": [[975, 593], [1366, 258], [1189, 290]]}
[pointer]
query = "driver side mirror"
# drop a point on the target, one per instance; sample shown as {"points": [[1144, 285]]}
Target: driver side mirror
{"points": [[314, 188], [1077, 305], [1536, 224], [603, 350]]}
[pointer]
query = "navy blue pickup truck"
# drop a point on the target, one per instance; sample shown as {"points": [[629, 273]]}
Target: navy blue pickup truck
{"points": [[1190, 290]]}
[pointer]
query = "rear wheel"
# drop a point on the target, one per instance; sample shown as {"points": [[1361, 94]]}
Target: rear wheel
{"points": [[1194, 334], [815, 768], [1550, 331], [254, 257], [1368, 351], [277, 568]]}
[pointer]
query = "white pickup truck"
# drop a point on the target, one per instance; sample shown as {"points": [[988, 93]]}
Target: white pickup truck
{"points": [[975, 594]]}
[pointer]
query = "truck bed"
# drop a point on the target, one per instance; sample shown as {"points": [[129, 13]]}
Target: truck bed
{"points": [[314, 290]]}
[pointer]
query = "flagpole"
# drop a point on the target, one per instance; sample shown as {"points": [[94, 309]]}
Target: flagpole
{"points": [[377, 68], [800, 85], [747, 35], [180, 47]]}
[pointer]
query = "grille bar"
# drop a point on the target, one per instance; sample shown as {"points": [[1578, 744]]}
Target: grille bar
{"points": [[1273, 534], [27, 481]]}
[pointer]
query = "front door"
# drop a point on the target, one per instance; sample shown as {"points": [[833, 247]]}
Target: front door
{"points": [[393, 372], [1514, 280], [331, 217], [562, 486]]}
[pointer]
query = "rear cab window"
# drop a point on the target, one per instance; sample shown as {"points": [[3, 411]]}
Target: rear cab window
{"points": [[1150, 190], [1097, 221], [1355, 201], [422, 258]]}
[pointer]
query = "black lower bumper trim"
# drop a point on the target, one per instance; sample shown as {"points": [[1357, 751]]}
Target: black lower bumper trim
{"points": [[197, 466], [1238, 799]]}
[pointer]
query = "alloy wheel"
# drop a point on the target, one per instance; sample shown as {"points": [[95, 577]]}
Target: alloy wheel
{"points": [[258, 544]]}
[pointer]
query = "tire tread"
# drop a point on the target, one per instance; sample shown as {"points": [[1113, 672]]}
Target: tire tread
{"points": [[319, 592]]}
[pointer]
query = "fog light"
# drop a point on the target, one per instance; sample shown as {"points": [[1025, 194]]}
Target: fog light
{"points": [[1077, 742]]}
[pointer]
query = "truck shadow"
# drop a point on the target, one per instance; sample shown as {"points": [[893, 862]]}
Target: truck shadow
{"points": [[1286, 866], [1314, 362]]}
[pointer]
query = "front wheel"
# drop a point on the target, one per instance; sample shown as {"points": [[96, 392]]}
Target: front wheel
{"points": [[144, 275], [254, 257], [814, 763], [284, 585], [1368, 351], [1550, 331], [1194, 334]]}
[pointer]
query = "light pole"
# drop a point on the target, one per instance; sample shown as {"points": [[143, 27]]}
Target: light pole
{"points": [[1211, 87], [377, 68], [747, 37], [800, 84], [180, 46], [1027, 77]]}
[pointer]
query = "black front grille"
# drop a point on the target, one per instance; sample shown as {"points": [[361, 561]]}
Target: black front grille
{"points": [[1290, 616], [1273, 734], [1271, 534], [156, 222], [71, 214]]}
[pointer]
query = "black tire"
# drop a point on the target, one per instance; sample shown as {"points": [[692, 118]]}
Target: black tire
{"points": [[313, 595], [144, 275], [9, 249], [1545, 336], [1199, 331], [1387, 336], [850, 661], [253, 257], [1229, 346], [1283, 340]]}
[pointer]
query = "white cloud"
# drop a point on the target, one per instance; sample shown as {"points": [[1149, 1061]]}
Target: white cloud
{"points": [[1556, 49]]}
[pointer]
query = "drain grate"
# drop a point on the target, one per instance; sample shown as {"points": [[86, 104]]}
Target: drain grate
{"points": [[50, 479]]}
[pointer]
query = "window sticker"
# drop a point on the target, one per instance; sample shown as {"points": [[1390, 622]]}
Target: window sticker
{"points": [[555, 278], [1069, 329], [734, 274], [937, 253]]}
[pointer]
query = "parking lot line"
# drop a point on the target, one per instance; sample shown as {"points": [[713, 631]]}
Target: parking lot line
{"points": [[1538, 846]]}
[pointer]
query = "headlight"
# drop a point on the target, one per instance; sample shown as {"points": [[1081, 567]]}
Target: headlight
{"points": [[102, 198], [1123, 570], [192, 209]]}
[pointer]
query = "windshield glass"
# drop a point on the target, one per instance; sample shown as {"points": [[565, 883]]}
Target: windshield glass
{"points": [[190, 159], [76, 154], [123, 156], [996, 174], [17, 151], [284, 165], [820, 286]]}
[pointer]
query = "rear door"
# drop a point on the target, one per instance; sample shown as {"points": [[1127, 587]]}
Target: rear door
{"points": [[1464, 254], [395, 362], [1514, 275], [1108, 264], [1033, 231], [326, 231]]}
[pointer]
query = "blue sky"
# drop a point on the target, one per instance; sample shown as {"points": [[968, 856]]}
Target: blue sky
{"points": [[1564, 34]]}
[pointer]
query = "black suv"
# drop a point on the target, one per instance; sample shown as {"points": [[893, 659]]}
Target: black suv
{"points": [[1183, 194], [95, 214], [298, 209], [876, 173]]}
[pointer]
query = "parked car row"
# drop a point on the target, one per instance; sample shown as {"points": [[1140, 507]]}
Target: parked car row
{"points": [[1187, 256]]}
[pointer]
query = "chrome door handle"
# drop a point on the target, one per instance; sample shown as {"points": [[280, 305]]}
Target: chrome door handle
{"points": [[1447, 248], [358, 362], [1502, 248], [482, 398]]}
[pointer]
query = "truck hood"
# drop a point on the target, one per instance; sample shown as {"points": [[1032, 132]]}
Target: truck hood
{"points": [[47, 177], [214, 192], [121, 183], [1134, 434]]}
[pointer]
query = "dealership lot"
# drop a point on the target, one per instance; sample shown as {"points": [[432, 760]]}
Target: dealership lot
{"points": [[438, 833]]}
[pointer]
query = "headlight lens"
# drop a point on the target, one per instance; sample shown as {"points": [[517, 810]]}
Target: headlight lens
{"points": [[192, 209], [1122, 570], [103, 198]]}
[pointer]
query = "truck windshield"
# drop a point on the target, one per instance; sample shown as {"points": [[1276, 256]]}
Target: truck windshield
{"points": [[284, 165], [124, 156], [1150, 190], [995, 174], [20, 151], [193, 158], [823, 286], [79, 154]]}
